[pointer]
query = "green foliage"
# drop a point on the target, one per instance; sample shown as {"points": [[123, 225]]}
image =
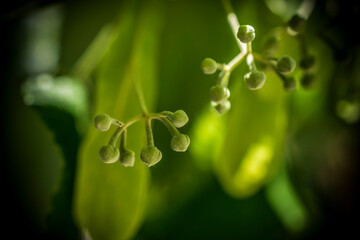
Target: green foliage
{"points": [[233, 160], [61, 103]]}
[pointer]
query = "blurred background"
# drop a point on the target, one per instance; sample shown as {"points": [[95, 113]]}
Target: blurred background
{"points": [[278, 165]]}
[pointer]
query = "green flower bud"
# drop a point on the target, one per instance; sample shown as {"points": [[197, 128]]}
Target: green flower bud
{"points": [[150, 155], [286, 64], [219, 93], [109, 154], [209, 66], [246, 33], [296, 23], [179, 118], [127, 158], [223, 107], [255, 79], [102, 122], [290, 84], [307, 81], [271, 44], [180, 142], [307, 62]]}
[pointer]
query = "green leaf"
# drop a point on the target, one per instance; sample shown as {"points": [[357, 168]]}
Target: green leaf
{"points": [[286, 203], [111, 198], [62, 104]]}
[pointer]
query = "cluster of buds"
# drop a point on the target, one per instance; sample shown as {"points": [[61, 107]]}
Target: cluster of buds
{"points": [[150, 154], [254, 79]]}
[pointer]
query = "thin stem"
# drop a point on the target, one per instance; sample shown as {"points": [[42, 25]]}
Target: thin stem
{"points": [[133, 120], [123, 140], [249, 47], [140, 96], [115, 136], [235, 61], [264, 59], [224, 81], [172, 129], [281, 76], [149, 134], [93, 54], [250, 62], [233, 22], [122, 128]]}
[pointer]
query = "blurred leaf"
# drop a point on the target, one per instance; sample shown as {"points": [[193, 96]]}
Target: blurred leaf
{"points": [[254, 139], [110, 199], [284, 200], [64, 93], [208, 137], [61, 102]]}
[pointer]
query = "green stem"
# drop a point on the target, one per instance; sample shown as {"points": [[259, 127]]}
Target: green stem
{"points": [[172, 129], [122, 128], [281, 76], [264, 59], [249, 47], [149, 134], [93, 54], [224, 80], [115, 136], [235, 61], [123, 141], [133, 120], [251, 62], [140, 96], [233, 22]]}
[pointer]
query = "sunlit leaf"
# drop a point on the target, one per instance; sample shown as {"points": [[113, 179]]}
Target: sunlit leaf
{"points": [[254, 139], [285, 202]]}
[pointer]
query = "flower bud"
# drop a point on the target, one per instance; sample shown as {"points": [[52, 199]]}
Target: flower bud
{"points": [[150, 155], [285, 64], [246, 33], [223, 107], [307, 62], [180, 142], [209, 66], [296, 23], [271, 44], [307, 81], [102, 122], [290, 84], [109, 154], [255, 79], [219, 93], [179, 118], [127, 158]]}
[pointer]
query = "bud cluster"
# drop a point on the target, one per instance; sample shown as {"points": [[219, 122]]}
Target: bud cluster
{"points": [[150, 154], [254, 79]]}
